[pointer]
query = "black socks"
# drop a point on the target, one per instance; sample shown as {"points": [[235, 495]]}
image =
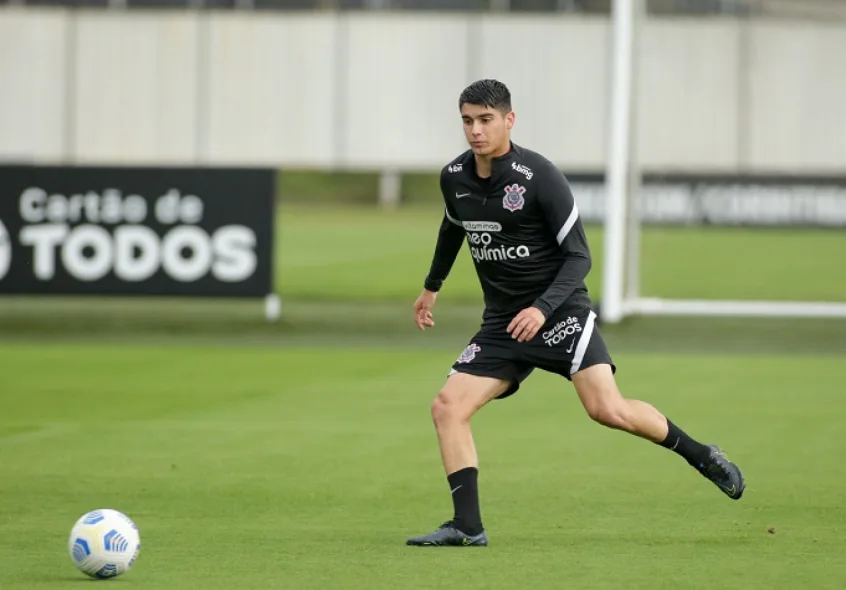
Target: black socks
{"points": [[465, 498], [696, 454]]}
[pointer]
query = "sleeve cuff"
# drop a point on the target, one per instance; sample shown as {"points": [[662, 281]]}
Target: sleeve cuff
{"points": [[544, 307], [432, 285]]}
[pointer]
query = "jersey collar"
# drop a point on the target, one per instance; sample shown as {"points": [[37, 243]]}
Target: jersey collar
{"points": [[503, 162], [500, 164]]}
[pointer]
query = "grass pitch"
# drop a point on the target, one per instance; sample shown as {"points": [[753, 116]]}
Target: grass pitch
{"points": [[359, 254], [300, 454], [262, 467]]}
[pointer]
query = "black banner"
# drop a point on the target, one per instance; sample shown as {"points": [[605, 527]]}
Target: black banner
{"points": [[724, 200], [139, 231]]}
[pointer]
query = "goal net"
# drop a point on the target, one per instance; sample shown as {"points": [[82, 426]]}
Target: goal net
{"points": [[725, 185]]}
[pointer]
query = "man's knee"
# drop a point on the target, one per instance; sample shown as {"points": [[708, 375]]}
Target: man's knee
{"points": [[601, 398], [463, 395], [445, 407], [450, 406], [610, 414]]}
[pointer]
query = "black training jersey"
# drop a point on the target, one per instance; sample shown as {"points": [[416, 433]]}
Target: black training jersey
{"points": [[523, 230]]}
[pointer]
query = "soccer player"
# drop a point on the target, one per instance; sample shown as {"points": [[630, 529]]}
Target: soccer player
{"points": [[519, 218]]}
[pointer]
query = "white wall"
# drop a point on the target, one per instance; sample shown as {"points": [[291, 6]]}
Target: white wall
{"points": [[380, 90], [135, 88], [270, 89], [687, 96], [33, 85], [797, 95]]}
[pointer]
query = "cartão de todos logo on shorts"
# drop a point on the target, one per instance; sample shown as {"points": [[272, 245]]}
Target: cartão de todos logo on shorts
{"points": [[560, 331], [513, 199], [469, 353]]}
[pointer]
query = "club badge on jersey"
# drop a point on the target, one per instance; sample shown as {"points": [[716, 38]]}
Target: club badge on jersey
{"points": [[513, 199]]}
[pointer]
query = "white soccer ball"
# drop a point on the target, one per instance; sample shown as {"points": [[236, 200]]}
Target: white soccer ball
{"points": [[104, 543]]}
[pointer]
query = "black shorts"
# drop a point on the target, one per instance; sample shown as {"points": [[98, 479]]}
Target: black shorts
{"points": [[568, 342]]}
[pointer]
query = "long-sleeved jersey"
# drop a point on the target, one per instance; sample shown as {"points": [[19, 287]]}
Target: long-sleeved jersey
{"points": [[523, 230]]}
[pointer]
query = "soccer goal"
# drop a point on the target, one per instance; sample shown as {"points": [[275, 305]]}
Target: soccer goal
{"points": [[775, 217]]}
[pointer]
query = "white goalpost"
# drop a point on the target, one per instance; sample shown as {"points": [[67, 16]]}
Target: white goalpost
{"points": [[621, 265], [618, 171]]}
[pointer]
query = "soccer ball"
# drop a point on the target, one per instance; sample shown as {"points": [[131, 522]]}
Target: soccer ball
{"points": [[104, 543]]}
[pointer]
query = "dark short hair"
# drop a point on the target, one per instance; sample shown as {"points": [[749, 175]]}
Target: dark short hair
{"points": [[487, 93]]}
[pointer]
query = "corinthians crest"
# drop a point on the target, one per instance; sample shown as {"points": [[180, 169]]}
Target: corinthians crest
{"points": [[513, 199], [469, 353]]}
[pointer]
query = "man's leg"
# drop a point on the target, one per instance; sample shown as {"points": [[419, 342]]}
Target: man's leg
{"points": [[461, 397], [601, 398]]}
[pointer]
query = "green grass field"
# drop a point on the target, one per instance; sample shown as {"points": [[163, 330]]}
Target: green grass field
{"points": [[300, 454], [279, 468], [354, 254]]}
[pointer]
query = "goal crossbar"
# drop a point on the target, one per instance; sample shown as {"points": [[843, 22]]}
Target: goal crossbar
{"points": [[728, 308]]}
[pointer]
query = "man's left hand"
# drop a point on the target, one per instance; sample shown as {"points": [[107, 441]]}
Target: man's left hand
{"points": [[526, 324]]}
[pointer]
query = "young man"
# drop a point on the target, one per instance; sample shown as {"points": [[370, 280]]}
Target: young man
{"points": [[517, 213]]}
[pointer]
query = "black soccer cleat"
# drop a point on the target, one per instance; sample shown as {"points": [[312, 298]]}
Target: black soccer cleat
{"points": [[723, 473], [448, 536]]}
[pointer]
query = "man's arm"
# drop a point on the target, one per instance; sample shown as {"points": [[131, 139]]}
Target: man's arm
{"points": [[559, 207], [450, 239]]}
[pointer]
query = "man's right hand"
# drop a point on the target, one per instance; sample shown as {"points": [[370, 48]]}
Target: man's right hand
{"points": [[423, 309]]}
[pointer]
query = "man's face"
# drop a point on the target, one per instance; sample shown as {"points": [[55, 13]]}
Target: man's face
{"points": [[487, 130]]}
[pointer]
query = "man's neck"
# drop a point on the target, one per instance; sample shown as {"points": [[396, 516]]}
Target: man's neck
{"points": [[484, 163], [483, 166]]}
